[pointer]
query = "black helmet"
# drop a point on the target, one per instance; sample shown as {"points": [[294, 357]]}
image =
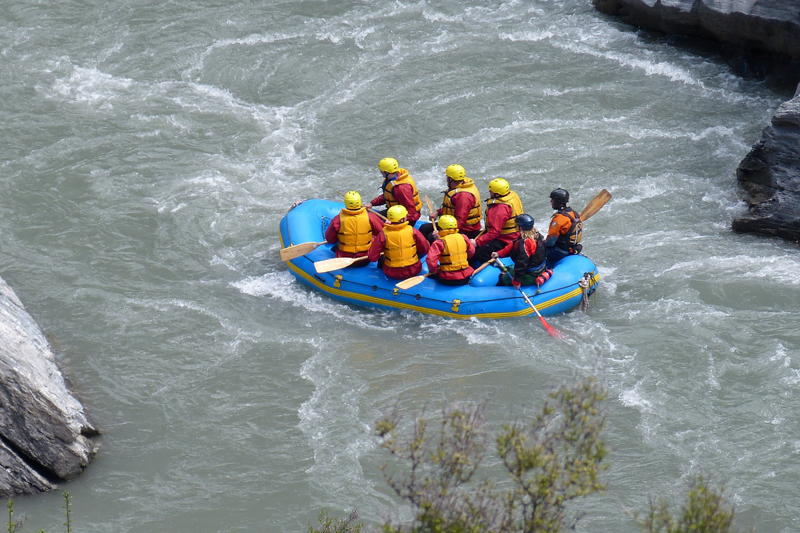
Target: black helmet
{"points": [[524, 222], [560, 197]]}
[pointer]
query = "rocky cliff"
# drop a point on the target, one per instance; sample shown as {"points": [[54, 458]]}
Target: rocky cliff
{"points": [[766, 25], [770, 177], [770, 174], [44, 432]]}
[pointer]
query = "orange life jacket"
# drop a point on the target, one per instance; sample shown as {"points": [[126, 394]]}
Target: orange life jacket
{"points": [[466, 185], [512, 200], [355, 231], [573, 236], [400, 249], [403, 178], [454, 256]]}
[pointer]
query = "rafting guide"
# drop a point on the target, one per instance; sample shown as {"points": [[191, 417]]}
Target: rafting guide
{"points": [[451, 266]]}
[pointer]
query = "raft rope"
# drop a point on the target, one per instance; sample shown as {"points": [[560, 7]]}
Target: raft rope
{"points": [[584, 285]]}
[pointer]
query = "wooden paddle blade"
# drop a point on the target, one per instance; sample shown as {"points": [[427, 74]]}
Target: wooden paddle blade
{"points": [[290, 252], [594, 206], [336, 263], [411, 282], [430, 205]]}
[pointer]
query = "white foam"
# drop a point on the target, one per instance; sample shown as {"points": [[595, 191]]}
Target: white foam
{"points": [[93, 87], [250, 40], [650, 68], [779, 269], [608, 279], [527, 36], [330, 418], [633, 398], [712, 380], [282, 286]]}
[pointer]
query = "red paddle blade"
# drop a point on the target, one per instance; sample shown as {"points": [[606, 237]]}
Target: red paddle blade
{"points": [[551, 330]]}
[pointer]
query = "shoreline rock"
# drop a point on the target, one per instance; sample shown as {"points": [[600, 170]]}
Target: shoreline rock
{"points": [[44, 432], [767, 25], [769, 176]]}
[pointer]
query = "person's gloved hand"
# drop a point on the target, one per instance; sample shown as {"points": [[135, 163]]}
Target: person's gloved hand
{"points": [[516, 284]]}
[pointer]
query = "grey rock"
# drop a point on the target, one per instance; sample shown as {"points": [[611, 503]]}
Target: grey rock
{"points": [[769, 177], [17, 476], [767, 25], [44, 432]]}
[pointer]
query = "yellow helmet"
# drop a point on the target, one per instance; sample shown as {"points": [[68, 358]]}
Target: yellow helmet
{"points": [[352, 200], [388, 164], [455, 172], [499, 186], [396, 213], [448, 222]]}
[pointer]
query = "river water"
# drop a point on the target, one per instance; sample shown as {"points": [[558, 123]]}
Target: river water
{"points": [[151, 148]]}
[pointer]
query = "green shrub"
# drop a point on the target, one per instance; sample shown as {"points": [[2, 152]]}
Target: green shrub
{"points": [[552, 461], [703, 512]]}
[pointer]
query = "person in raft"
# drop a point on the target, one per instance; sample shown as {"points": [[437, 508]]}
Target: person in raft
{"points": [[528, 254], [566, 229], [502, 208], [353, 228], [448, 257], [462, 200], [401, 244], [398, 188]]}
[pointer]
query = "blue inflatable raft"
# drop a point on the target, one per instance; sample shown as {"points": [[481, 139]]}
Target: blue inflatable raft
{"points": [[482, 298]]}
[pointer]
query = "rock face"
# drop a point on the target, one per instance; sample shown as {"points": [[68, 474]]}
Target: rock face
{"points": [[43, 429], [770, 174], [766, 25], [770, 177]]}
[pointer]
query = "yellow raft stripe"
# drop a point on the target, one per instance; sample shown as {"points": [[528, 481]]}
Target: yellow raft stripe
{"points": [[381, 301]]}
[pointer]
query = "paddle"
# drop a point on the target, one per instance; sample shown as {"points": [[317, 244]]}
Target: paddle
{"points": [[484, 265], [550, 329], [429, 204], [595, 205], [336, 263], [411, 282], [377, 214], [290, 252]]}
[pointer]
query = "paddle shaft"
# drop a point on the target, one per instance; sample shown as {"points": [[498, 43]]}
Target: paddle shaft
{"points": [[484, 265], [377, 214], [550, 329]]}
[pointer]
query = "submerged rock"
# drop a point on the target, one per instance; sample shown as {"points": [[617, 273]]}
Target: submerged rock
{"points": [[770, 177], [43, 428]]}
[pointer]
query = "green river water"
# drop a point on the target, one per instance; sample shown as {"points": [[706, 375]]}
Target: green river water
{"points": [[150, 149]]}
